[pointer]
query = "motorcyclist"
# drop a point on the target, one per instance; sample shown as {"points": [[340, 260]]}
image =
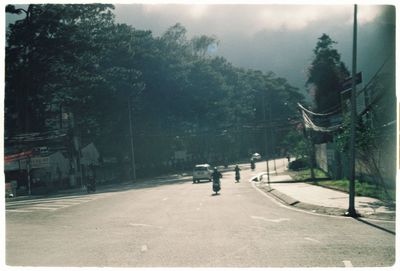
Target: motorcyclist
{"points": [[216, 175], [237, 173], [252, 164]]}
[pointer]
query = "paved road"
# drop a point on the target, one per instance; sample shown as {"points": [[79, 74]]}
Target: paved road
{"points": [[180, 224]]}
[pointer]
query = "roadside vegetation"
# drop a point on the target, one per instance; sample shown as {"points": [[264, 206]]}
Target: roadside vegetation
{"points": [[187, 104], [363, 188]]}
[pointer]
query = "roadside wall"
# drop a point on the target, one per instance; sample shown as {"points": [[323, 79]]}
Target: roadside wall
{"points": [[337, 165]]}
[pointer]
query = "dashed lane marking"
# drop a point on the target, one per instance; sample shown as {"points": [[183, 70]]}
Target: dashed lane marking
{"points": [[143, 225], [270, 220], [312, 240], [347, 264]]}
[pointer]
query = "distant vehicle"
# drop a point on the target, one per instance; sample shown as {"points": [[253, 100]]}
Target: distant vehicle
{"points": [[202, 172], [256, 156]]}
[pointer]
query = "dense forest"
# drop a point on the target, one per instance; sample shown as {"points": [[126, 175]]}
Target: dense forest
{"points": [[178, 96]]}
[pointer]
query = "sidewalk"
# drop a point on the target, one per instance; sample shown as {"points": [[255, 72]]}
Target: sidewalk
{"points": [[323, 200]]}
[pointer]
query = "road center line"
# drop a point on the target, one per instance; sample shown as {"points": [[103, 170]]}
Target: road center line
{"points": [[347, 264], [143, 225], [311, 239], [270, 220]]}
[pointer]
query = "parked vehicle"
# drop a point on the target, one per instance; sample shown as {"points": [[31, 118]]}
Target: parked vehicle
{"points": [[256, 156], [202, 172]]}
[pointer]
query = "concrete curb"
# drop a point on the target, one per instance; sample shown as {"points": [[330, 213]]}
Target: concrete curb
{"points": [[283, 197], [287, 200]]}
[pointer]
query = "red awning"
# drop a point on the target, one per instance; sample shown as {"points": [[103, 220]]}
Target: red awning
{"points": [[17, 156]]}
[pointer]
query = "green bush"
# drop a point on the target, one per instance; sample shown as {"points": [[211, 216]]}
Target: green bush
{"points": [[298, 164]]}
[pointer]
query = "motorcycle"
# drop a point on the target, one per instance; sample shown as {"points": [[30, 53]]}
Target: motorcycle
{"points": [[216, 176], [216, 186], [237, 176]]}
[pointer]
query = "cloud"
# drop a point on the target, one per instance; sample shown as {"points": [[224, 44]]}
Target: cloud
{"points": [[243, 19], [278, 38]]}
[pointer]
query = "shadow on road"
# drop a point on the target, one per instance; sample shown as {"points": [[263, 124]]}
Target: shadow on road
{"points": [[374, 225]]}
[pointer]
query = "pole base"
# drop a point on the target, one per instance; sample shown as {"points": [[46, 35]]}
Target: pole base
{"points": [[351, 213]]}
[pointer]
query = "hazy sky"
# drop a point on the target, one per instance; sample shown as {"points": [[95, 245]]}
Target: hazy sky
{"points": [[277, 38]]}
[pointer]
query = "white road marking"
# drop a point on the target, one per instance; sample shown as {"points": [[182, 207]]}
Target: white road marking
{"points": [[143, 225], [164, 198], [311, 239], [347, 264], [18, 211], [41, 208], [53, 204], [197, 209], [144, 248], [270, 220]]}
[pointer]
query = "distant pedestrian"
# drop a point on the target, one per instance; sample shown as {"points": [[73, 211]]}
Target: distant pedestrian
{"points": [[237, 173]]}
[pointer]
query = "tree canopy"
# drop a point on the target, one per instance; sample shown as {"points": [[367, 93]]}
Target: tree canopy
{"points": [[325, 75], [76, 58]]}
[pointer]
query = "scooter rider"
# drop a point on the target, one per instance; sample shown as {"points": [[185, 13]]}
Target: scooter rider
{"points": [[252, 164], [237, 173], [216, 175]]}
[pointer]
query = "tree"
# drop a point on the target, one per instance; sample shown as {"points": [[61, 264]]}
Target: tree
{"points": [[181, 97], [325, 75], [51, 58]]}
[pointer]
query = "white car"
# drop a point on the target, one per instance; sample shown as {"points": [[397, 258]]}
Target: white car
{"points": [[202, 172]]}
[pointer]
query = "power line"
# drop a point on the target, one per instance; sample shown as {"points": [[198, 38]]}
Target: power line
{"points": [[317, 114]]}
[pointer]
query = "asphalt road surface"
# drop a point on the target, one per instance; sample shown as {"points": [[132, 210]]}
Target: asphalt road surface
{"points": [[165, 223]]}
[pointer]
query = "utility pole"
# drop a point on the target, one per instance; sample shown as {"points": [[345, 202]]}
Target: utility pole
{"points": [[352, 211], [28, 169], [266, 136], [76, 142], [133, 164]]}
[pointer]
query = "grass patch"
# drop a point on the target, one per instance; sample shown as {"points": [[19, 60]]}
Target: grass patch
{"points": [[363, 189], [305, 174]]}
